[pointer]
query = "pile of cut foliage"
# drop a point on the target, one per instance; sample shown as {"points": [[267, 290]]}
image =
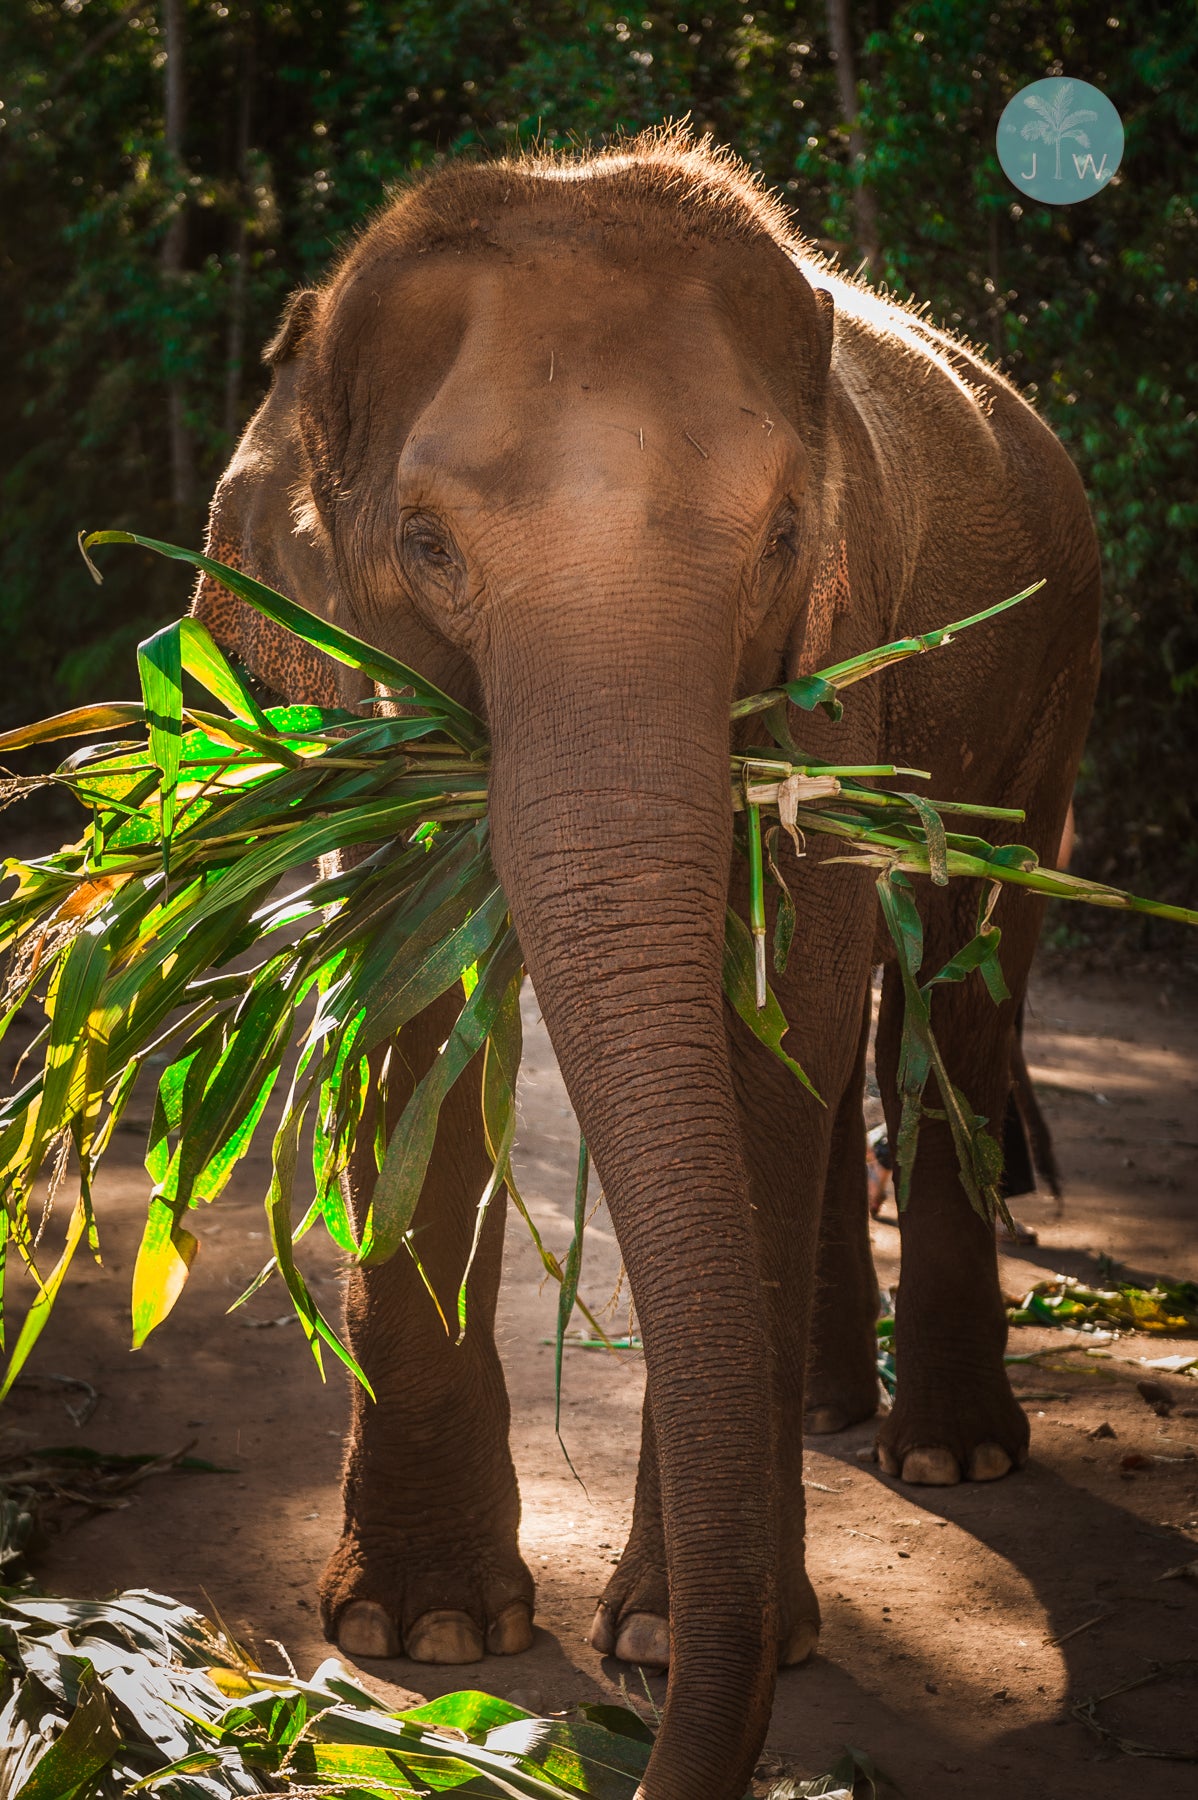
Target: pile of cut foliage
{"points": [[141, 1695], [1166, 1306], [132, 943]]}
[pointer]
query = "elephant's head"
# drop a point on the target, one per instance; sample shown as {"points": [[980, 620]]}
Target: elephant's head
{"points": [[555, 434]]}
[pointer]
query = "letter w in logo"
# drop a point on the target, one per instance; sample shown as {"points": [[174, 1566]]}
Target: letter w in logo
{"points": [[1085, 165]]}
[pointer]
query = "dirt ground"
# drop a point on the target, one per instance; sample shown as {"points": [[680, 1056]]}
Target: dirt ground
{"points": [[964, 1628]]}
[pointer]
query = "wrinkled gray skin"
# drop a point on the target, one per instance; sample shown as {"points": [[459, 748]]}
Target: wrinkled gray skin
{"points": [[598, 449]]}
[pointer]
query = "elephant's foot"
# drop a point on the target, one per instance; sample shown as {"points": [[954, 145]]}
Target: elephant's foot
{"points": [[379, 1598], [632, 1620], [933, 1439], [834, 1402], [841, 1388]]}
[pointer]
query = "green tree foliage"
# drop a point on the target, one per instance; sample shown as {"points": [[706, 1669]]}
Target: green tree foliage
{"points": [[299, 115]]}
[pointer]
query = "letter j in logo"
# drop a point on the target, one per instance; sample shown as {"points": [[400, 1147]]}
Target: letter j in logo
{"points": [[1060, 141]]}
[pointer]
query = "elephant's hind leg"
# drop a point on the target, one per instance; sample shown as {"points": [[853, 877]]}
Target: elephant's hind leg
{"points": [[428, 1564], [954, 1414]]}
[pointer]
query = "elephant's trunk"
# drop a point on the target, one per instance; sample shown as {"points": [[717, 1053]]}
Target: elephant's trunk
{"points": [[612, 833]]}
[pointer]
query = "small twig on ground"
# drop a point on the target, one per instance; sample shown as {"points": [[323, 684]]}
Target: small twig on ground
{"points": [[1064, 1636], [78, 1415], [1084, 1710]]}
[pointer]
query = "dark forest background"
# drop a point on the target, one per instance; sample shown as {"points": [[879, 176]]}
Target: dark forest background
{"points": [[169, 171]]}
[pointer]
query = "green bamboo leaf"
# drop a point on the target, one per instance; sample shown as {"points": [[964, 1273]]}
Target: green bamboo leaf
{"points": [[757, 904], [369, 1771], [401, 1178], [431, 970], [5, 1232], [439, 1761], [914, 1063], [203, 658], [244, 882], [107, 716], [329, 1151], [164, 1258], [842, 675], [160, 665], [316, 1327], [618, 1719], [568, 1295], [981, 952], [194, 1066], [501, 1060], [74, 990], [86, 1745], [424, 962], [585, 1758], [934, 836], [470, 1712], [979, 1161], [906, 926], [1012, 856], [233, 1099], [229, 734], [809, 691], [39, 1311], [784, 925], [320, 633], [769, 1024], [821, 688]]}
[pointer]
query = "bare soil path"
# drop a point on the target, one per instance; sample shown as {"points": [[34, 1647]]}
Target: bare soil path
{"points": [[961, 1625]]}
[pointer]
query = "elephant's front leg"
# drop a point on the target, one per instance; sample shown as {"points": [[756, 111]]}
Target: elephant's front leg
{"points": [[428, 1564]]}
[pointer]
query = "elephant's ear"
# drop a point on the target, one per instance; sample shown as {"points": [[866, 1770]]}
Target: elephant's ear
{"points": [[788, 326], [262, 521], [825, 308]]}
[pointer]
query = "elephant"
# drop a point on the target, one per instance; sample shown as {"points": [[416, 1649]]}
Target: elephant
{"points": [[598, 444]]}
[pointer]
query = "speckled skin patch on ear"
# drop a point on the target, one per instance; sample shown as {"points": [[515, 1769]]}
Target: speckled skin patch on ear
{"points": [[302, 676]]}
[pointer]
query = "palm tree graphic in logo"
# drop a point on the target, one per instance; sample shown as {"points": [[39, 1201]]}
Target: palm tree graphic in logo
{"points": [[1056, 123]]}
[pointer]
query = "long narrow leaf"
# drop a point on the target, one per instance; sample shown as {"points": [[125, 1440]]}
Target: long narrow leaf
{"points": [[320, 633]]}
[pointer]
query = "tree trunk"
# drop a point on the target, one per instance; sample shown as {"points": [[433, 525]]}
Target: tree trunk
{"points": [[841, 33], [239, 285], [174, 249]]}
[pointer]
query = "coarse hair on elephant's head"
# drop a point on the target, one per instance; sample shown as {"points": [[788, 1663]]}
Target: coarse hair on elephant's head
{"points": [[554, 432]]}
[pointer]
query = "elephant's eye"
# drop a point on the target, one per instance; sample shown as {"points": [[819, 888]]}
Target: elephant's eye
{"points": [[780, 538], [426, 542]]}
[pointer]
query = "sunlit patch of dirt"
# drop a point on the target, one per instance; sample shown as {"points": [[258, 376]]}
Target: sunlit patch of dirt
{"points": [[961, 1625]]}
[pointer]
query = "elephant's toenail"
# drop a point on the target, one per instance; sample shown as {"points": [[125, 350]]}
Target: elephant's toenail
{"points": [[603, 1630], [800, 1645], [366, 1629], [445, 1637], [822, 1420], [511, 1631], [931, 1466], [989, 1462], [644, 1638]]}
